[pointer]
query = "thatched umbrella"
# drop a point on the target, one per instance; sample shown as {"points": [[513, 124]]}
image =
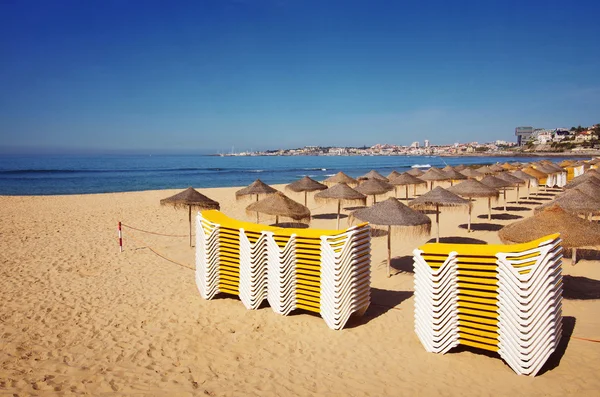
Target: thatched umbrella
{"points": [[279, 204], [405, 180], [513, 180], [574, 200], [496, 168], [535, 173], [460, 167], [525, 177], [306, 184], [496, 183], [438, 197], [566, 163], [191, 198], [590, 188], [415, 172], [341, 192], [373, 187], [471, 173], [587, 177], [471, 189], [392, 213], [340, 177], [372, 175], [574, 231], [434, 174], [258, 188], [508, 167], [486, 170], [393, 174], [454, 176]]}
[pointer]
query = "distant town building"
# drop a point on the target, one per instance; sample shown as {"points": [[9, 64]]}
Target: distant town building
{"points": [[523, 134], [414, 145], [426, 143]]}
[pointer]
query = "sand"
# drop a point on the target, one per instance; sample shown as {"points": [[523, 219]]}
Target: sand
{"points": [[78, 317]]}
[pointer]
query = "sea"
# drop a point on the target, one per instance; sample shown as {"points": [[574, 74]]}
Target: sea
{"points": [[78, 174]]}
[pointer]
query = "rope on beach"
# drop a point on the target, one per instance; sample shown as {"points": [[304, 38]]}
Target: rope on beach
{"points": [[585, 339], [155, 233], [160, 254]]}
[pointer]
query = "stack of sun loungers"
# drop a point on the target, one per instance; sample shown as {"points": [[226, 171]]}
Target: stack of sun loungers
{"points": [[502, 298], [326, 272]]}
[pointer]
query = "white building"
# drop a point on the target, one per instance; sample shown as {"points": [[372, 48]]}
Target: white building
{"points": [[414, 145], [426, 143]]}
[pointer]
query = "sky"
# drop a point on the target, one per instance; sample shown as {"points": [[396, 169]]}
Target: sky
{"points": [[208, 76]]}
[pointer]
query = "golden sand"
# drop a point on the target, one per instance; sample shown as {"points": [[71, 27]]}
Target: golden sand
{"points": [[77, 316]]}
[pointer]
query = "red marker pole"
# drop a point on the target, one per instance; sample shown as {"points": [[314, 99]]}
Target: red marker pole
{"points": [[120, 239]]}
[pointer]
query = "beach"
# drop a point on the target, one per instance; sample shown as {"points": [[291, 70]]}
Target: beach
{"points": [[79, 317]]}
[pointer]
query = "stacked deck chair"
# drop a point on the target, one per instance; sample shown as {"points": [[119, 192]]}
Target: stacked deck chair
{"points": [[502, 298], [322, 271]]}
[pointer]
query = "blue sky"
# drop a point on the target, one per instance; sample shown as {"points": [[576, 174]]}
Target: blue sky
{"points": [[208, 75]]}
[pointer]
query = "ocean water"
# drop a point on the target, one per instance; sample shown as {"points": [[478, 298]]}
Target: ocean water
{"points": [[71, 174]]}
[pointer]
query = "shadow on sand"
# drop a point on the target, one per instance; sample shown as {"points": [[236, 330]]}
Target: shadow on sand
{"points": [[291, 225], [329, 216], [382, 301], [529, 202], [501, 217], [512, 209], [355, 208], [580, 288], [568, 326], [402, 264], [375, 232], [483, 227]]}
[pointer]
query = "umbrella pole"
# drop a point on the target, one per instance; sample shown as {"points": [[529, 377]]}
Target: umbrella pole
{"points": [[431, 186], [573, 256], [395, 191], [276, 219], [407, 193], [338, 217], [374, 200], [517, 194], [437, 222], [504, 193], [190, 218], [528, 188], [489, 208], [389, 258], [414, 190], [305, 198], [469, 219], [451, 182]]}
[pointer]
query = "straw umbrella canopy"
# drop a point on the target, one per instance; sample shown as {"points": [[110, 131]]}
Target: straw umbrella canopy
{"points": [[471, 173], [438, 197], [574, 231], [590, 188], [454, 175], [525, 177], [340, 177], [587, 177], [372, 175], [574, 200], [373, 187], [496, 183], [566, 163], [392, 213], [257, 188], [341, 192], [486, 170], [434, 174], [279, 204], [415, 172], [496, 168], [447, 168], [393, 174], [508, 167], [471, 189], [405, 180], [460, 167], [306, 184], [513, 180], [191, 198]]}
